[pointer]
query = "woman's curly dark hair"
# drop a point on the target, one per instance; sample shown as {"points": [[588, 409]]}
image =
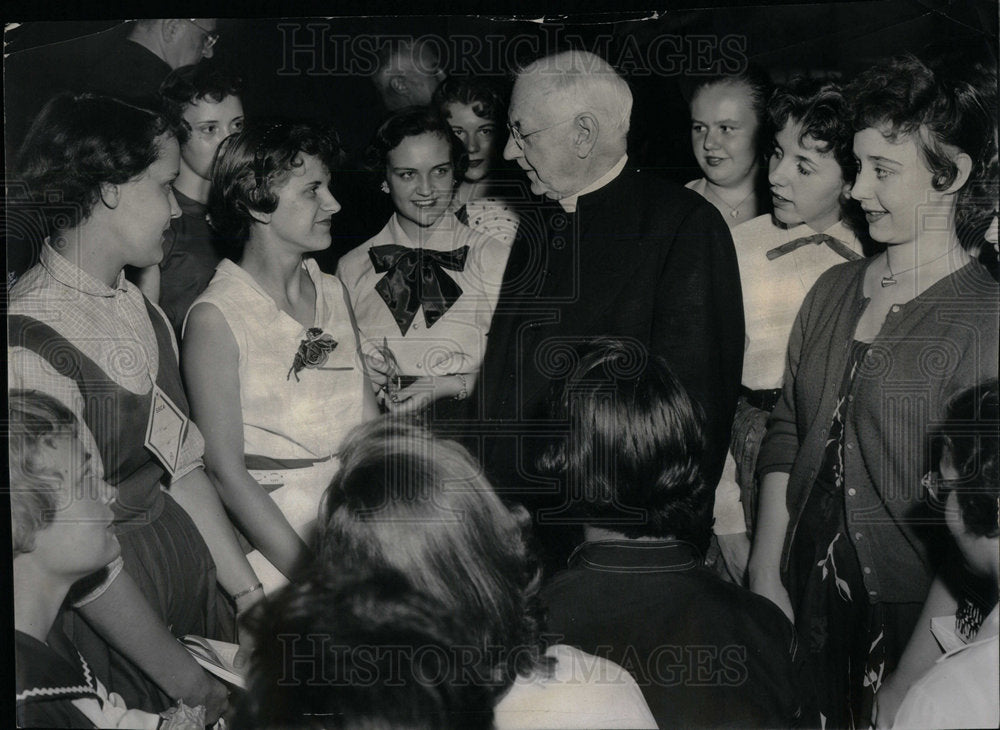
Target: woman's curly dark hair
{"points": [[190, 84], [413, 121], [253, 164], [823, 110], [482, 94], [971, 435], [78, 143], [904, 97]]}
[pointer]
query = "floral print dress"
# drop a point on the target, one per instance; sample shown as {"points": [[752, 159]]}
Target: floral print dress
{"points": [[849, 643]]}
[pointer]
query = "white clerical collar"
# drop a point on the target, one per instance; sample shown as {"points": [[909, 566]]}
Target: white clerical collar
{"points": [[569, 202]]}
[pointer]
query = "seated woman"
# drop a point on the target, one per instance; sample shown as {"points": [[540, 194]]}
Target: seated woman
{"points": [[421, 506], [727, 138], [835, 544], [61, 529], [388, 657], [781, 256], [959, 686], [270, 348], [79, 331], [478, 114], [206, 106], [424, 289], [630, 467]]}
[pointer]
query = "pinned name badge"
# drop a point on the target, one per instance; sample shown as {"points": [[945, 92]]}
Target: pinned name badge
{"points": [[165, 430]]}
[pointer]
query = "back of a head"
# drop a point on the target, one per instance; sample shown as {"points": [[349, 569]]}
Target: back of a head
{"points": [[356, 651], [971, 434], [584, 81], [407, 501], [631, 457], [78, 143]]}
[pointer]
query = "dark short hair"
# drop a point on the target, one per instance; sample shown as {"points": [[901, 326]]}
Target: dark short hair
{"points": [[758, 83], [821, 108], [190, 84], [412, 121], [977, 201], [971, 433], [903, 96], [361, 651], [251, 165], [34, 419], [632, 456], [408, 501], [483, 95], [78, 143]]}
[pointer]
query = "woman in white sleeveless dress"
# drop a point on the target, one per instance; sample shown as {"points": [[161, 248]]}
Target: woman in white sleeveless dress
{"points": [[270, 348]]}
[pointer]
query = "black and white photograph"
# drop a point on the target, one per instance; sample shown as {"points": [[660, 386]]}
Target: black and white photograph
{"points": [[394, 367]]}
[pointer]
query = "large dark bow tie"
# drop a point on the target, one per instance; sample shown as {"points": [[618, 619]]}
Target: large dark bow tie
{"points": [[415, 277], [817, 238]]}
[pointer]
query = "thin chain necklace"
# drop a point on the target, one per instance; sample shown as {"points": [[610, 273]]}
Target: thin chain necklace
{"points": [[734, 211], [891, 278]]}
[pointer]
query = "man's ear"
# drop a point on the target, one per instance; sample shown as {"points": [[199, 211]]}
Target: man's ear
{"points": [[169, 28], [398, 85], [586, 128], [964, 164], [110, 195]]}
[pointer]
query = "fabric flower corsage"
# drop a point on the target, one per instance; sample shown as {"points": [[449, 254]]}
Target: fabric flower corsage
{"points": [[313, 351], [182, 717]]}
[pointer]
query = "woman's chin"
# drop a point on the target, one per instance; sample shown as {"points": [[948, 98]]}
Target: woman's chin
{"points": [[475, 174]]}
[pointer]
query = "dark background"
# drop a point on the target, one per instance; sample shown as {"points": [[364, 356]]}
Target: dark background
{"points": [[327, 74]]}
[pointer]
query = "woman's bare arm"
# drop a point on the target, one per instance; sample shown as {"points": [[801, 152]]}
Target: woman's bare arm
{"points": [[210, 372]]}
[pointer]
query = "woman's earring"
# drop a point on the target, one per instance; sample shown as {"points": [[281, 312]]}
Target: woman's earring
{"points": [[385, 187]]}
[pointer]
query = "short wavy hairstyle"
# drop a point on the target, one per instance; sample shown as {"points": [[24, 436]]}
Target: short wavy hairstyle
{"points": [[971, 434], [190, 84], [412, 121], [823, 111], [35, 418], [407, 501], [482, 94], [251, 166], [631, 460], [354, 649], [904, 97], [78, 143]]}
